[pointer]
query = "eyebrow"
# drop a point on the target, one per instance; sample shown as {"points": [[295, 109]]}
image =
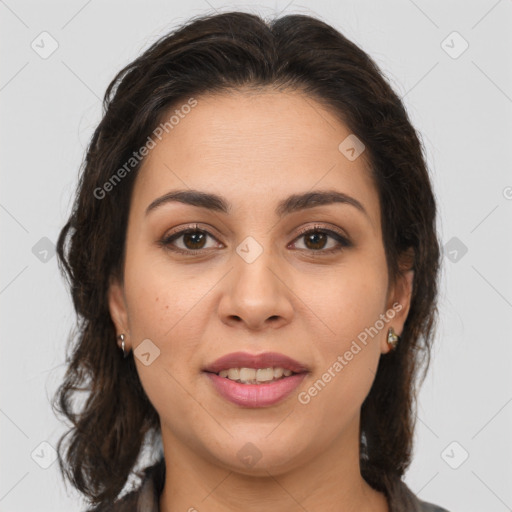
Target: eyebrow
{"points": [[293, 203]]}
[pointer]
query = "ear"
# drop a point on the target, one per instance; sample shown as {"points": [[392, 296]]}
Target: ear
{"points": [[118, 309], [399, 297]]}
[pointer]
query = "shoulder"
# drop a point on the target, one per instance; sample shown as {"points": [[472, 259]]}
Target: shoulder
{"points": [[145, 498], [403, 499], [430, 507]]}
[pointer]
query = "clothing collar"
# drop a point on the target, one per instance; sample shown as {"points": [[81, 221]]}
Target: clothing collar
{"points": [[151, 488]]}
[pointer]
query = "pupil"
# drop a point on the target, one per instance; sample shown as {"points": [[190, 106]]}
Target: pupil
{"points": [[314, 236], [198, 238]]}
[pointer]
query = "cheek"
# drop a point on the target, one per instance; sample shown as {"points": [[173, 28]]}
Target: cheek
{"points": [[167, 306], [350, 306], [349, 298], [162, 296]]}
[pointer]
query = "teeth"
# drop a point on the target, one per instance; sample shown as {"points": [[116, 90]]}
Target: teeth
{"points": [[255, 376], [247, 374], [233, 373], [264, 375], [278, 373]]}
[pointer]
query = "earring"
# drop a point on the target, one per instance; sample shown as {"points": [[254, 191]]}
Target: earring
{"points": [[393, 338], [121, 339]]}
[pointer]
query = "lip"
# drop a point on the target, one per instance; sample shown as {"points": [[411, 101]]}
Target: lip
{"points": [[263, 360], [255, 395]]}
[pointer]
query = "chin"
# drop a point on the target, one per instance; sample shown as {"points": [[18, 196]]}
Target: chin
{"points": [[260, 456]]}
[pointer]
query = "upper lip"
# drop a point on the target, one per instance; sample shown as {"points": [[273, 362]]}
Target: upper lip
{"points": [[247, 360]]}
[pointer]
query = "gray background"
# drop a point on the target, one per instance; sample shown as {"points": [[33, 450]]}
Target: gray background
{"points": [[461, 104]]}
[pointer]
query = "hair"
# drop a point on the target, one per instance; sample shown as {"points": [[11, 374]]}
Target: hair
{"points": [[225, 53]]}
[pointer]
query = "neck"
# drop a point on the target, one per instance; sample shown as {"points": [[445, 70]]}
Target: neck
{"points": [[330, 481]]}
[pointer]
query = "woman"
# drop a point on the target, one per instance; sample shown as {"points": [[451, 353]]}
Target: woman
{"points": [[253, 258]]}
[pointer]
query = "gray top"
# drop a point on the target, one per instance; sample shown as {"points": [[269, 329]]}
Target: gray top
{"points": [[146, 497]]}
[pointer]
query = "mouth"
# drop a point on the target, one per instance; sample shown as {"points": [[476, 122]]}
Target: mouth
{"points": [[267, 365], [255, 380]]}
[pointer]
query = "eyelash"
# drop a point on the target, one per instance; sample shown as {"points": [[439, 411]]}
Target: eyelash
{"points": [[342, 241]]}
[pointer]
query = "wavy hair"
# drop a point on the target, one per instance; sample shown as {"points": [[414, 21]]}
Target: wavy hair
{"points": [[222, 53]]}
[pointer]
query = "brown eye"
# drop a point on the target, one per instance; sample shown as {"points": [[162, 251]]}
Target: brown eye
{"points": [[317, 240], [189, 241], [194, 239]]}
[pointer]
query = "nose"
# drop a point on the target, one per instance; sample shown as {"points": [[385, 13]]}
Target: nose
{"points": [[256, 294]]}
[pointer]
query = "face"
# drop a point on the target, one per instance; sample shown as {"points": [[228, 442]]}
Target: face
{"points": [[306, 279]]}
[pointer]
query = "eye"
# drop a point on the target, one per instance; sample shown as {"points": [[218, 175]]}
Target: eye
{"points": [[193, 240], [316, 240]]}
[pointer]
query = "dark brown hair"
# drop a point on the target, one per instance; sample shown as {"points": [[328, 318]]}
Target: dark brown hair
{"points": [[222, 53]]}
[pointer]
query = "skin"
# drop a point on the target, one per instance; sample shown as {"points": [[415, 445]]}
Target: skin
{"points": [[255, 149]]}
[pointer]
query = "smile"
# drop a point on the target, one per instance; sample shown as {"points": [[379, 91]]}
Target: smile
{"points": [[260, 394]]}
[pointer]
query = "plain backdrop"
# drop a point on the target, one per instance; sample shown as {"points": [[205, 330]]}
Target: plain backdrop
{"points": [[451, 64]]}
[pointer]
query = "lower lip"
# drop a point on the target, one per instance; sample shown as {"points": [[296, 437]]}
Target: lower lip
{"points": [[255, 395]]}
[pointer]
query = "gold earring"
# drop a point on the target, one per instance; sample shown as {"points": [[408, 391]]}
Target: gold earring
{"points": [[393, 338]]}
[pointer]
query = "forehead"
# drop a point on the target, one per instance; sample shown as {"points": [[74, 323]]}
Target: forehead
{"points": [[254, 147]]}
